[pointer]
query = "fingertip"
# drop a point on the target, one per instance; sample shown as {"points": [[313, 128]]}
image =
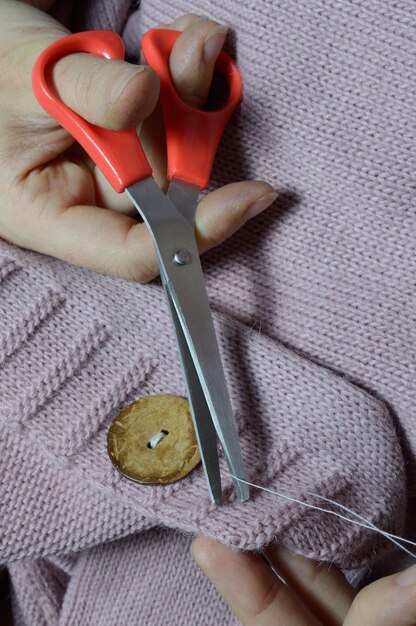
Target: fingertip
{"points": [[201, 551], [262, 203], [259, 188], [223, 211], [182, 22], [214, 43], [231, 571], [193, 58], [407, 577], [134, 100], [212, 556], [388, 600]]}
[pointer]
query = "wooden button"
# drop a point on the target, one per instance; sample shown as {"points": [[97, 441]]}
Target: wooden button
{"points": [[153, 440]]}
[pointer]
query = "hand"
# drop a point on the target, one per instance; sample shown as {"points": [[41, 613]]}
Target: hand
{"points": [[52, 198], [315, 594]]}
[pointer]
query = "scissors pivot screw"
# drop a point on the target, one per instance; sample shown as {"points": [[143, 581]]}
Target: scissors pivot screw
{"points": [[182, 257]]}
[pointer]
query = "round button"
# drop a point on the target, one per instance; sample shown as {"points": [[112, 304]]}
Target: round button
{"points": [[152, 440]]}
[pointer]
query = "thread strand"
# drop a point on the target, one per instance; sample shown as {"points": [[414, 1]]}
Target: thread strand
{"points": [[365, 524]]}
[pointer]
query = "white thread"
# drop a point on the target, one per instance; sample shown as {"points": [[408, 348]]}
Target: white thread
{"points": [[389, 536], [369, 525], [157, 438]]}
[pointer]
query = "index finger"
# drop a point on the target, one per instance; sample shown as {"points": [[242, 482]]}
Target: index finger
{"points": [[250, 587], [321, 585]]}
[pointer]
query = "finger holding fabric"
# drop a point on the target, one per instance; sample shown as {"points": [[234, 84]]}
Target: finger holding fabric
{"points": [[313, 593], [250, 587]]}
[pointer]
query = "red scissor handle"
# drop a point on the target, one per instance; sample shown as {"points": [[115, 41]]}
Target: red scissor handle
{"points": [[118, 153], [192, 135]]}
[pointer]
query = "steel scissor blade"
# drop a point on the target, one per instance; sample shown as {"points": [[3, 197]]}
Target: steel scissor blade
{"points": [[194, 315], [184, 282], [185, 198], [204, 427]]}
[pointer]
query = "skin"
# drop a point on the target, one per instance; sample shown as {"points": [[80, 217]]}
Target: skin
{"points": [[52, 198], [313, 594]]}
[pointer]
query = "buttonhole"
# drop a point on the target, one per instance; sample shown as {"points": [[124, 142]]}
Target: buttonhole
{"points": [[157, 439]]}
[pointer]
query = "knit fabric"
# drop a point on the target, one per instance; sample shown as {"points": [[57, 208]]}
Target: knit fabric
{"points": [[131, 581], [71, 362], [314, 308]]}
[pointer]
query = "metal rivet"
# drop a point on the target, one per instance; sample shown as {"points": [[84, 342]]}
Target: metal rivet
{"points": [[182, 257]]}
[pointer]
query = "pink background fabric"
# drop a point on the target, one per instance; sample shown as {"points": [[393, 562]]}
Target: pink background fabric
{"points": [[314, 306]]}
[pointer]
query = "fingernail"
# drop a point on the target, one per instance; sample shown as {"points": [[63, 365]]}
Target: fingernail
{"points": [[214, 43], [408, 577], [123, 80], [261, 204]]}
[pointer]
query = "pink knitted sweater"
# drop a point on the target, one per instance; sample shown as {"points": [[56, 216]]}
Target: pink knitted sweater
{"points": [[315, 311]]}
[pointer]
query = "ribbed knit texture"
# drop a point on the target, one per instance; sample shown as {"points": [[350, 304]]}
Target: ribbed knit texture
{"points": [[314, 306]]}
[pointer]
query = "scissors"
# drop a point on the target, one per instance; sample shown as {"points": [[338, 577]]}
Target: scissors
{"points": [[192, 137]]}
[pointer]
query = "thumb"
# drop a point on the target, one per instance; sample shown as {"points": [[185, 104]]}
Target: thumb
{"points": [[390, 600], [109, 93]]}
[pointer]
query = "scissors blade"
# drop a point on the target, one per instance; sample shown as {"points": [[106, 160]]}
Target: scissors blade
{"points": [[174, 241], [204, 426], [198, 330], [185, 197]]}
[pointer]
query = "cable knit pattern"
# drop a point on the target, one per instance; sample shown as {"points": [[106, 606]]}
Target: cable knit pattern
{"points": [[315, 311]]}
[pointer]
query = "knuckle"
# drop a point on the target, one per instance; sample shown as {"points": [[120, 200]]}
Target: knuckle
{"points": [[208, 240], [140, 272], [84, 91]]}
